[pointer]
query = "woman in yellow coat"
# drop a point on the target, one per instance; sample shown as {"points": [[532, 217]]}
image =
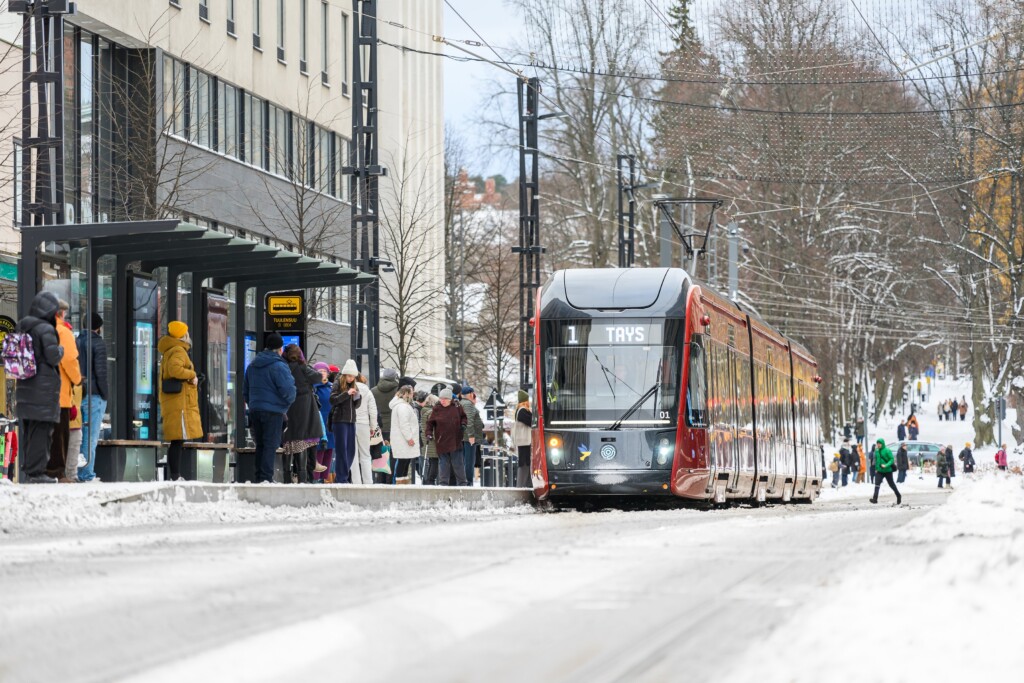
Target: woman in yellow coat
{"points": [[180, 410]]}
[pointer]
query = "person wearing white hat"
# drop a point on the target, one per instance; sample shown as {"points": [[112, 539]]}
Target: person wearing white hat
{"points": [[345, 400]]}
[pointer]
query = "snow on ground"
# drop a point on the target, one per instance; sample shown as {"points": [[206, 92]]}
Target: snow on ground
{"points": [[937, 599], [68, 509]]}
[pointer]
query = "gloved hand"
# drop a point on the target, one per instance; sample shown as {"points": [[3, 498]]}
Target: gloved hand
{"points": [[74, 413]]}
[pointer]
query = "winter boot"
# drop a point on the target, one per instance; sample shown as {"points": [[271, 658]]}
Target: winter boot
{"points": [[873, 500]]}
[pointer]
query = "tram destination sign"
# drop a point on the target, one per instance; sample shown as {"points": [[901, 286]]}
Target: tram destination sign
{"points": [[612, 333], [285, 311]]}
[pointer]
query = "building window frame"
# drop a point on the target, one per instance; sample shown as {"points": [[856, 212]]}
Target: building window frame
{"points": [[280, 31], [303, 36], [204, 11], [345, 47], [231, 19], [257, 7], [325, 35]]}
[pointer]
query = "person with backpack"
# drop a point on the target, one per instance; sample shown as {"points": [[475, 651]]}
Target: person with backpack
{"points": [[1001, 458], [845, 458], [36, 366], [913, 429], [944, 466], [834, 467], [884, 465]]}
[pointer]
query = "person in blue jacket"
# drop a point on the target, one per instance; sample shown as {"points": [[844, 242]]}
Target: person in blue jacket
{"points": [[325, 452], [268, 390]]}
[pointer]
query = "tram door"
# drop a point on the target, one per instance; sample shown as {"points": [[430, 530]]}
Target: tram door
{"points": [[735, 405]]}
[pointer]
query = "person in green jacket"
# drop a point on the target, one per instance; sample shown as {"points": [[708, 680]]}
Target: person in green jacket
{"points": [[884, 466]]}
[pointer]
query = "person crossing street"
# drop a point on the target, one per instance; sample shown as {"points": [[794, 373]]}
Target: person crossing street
{"points": [[884, 466]]}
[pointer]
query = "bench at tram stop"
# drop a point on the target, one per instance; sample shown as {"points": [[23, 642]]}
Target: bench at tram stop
{"points": [[211, 462], [127, 459], [245, 465]]}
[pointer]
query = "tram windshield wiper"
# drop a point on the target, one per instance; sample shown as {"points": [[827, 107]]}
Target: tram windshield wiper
{"points": [[653, 391]]}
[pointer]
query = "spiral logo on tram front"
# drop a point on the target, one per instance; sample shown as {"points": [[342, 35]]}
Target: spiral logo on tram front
{"points": [[608, 451]]}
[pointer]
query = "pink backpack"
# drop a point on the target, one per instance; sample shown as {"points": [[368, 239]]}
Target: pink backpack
{"points": [[19, 355]]}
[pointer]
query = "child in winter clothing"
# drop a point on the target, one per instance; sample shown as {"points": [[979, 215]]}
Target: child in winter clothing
{"points": [[834, 467], [1001, 458]]}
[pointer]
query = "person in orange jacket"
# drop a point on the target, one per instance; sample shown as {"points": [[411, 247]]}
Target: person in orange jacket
{"points": [[863, 463], [70, 376]]}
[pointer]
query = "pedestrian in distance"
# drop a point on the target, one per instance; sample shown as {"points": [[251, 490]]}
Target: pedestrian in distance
{"points": [[913, 429], [846, 459], [179, 395], [430, 462], [967, 458], [383, 392], [954, 409], [943, 466], [834, 467], [862, 462], [901, 431], [963, 409], [269, 391], [70, 377], [522, 438], [871, 462], [445, 426], [1001, 458], [37, 398], [369, 437], [859, 430], [405, 434], [848, 432], [941, 416], [902, 463], [884, 466], [325, 448], [474, 434], [345, 400], [92, 361], [304, 430]]}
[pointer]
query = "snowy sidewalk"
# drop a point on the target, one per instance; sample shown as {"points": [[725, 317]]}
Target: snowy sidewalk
{"points": [[937, 599]]}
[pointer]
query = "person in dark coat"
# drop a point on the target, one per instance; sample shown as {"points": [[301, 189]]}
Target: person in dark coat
{"points": [[268, 389], [445, 426], [96, 392], [846, 459], [37, 399], [902, 463], [943, 466], [345, 400], [303, 432], [901, 431], [967, 458], [382, 394]]}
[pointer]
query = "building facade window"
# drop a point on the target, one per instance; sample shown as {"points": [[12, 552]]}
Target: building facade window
{"points": [[303, 34], [343, 62], [204, 10], [231, 17], [227, 119], [324, 42], [280, 30], [278, 140], [253, 113], [256, 24]]}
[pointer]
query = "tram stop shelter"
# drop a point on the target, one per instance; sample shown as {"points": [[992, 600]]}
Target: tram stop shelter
{"points": [[140, 275]]}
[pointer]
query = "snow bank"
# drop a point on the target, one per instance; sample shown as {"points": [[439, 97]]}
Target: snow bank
{"points": [[69, 509], [937, 599]]}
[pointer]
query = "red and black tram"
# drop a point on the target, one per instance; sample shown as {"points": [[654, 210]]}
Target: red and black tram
{"points": [[649, 384]]}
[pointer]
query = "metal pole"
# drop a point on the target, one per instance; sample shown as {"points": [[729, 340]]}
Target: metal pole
{"points": [[529, 248], [462, 294], [734, 278], [665, 237]]}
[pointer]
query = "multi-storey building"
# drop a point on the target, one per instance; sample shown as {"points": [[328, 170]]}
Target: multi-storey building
{"points": [[236, 115]]}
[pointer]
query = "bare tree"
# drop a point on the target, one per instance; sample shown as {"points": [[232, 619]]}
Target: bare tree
{"points": [[412, 293]]}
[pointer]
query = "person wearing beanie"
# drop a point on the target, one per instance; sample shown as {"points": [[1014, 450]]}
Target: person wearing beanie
{"points": [[344, 400], [92, 360], [268, 390], [407, 381], [444, 429], [70, 377], [473, 437], [382, 395], [522, 439], [179, 395], [967, 458], [884, 466], [37, 398]]}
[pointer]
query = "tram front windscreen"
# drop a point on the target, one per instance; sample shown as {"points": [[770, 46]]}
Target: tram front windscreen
{"points": [[613, 373]]}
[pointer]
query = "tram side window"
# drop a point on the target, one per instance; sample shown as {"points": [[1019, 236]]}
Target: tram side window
{"points": [[697, 386]]}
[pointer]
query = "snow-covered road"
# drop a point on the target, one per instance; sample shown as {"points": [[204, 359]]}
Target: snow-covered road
{"points": [[794, 593]]}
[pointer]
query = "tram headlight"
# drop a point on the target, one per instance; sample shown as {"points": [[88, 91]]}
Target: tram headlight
{"points": [[555, 450], [664, 451]]}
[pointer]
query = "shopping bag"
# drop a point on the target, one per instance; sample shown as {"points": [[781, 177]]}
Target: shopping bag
{"points": [[383, 464]]}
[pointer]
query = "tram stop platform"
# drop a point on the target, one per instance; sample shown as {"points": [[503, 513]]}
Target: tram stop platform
{"points": [[306, 495]]}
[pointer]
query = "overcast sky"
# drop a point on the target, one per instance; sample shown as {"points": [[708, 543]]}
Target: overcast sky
{"points": [[466, 82]]}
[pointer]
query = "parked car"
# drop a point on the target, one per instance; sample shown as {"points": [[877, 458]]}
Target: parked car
{"points": [[919, 452]]}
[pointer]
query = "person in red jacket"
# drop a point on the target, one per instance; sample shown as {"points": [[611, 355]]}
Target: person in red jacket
{"points": [[445, 426], [1001, 458]]}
